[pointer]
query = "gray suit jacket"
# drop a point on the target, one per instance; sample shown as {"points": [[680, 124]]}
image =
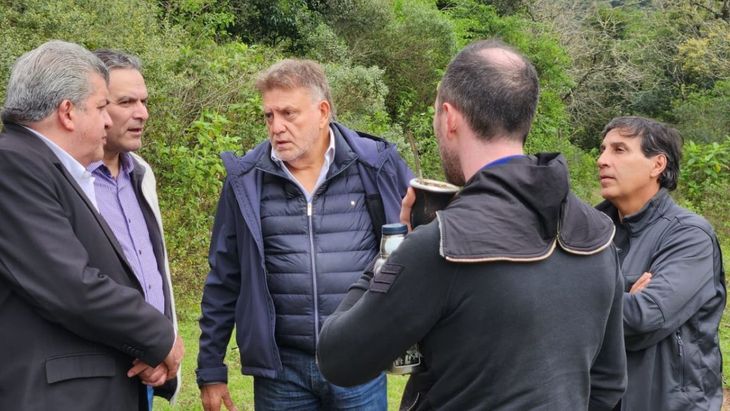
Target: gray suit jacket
{"points": [[72, 313]]}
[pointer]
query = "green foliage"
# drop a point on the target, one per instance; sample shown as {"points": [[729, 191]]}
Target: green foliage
{"points": [[203, 19], [596, 60], [704, 116], [273, 23], [681, 49], [190, 177], [210, 107], [507, 7], [704, 186], [356, 90], [421, 146], [321, 43], [131, 26], [413, 68], [639, 58], [706, 58], [474, 20], [411, 41], [195, 170], [359, 23], [706, 168]]}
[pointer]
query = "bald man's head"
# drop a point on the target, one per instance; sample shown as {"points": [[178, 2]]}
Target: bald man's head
{"points": [[494, 87]]}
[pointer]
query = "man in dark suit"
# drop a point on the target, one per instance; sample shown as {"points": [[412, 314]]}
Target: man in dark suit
{"points": [[77, 332]]}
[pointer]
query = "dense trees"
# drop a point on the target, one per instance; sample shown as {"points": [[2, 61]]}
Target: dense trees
{"points": [[663, 59], [668, 59]]}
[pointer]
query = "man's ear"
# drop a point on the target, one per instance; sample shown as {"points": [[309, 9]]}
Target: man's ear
{"points": [[324, 110], [453, 119], [66, 115], [659, 164]]}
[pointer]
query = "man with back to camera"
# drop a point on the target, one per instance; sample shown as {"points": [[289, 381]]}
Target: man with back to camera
{"points": [[83, 337], [513, 293], [672, 267], [126, 192], [298, 220]]}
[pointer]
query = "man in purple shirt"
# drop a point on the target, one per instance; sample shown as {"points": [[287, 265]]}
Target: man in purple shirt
{"points": [[125, 191]]}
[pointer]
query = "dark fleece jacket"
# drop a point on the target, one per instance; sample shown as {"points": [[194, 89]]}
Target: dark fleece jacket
{"points": [[513, 294]]}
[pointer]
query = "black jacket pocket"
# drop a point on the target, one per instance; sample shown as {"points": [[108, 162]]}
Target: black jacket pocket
{"points": [[79, 366]]}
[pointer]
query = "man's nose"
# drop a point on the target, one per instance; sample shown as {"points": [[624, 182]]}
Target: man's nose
{"points": [[107, 120], [141, 112], [276, 126]]}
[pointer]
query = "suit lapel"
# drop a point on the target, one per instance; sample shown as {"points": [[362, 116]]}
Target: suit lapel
{"points": [[99, 219], [35, 144]]}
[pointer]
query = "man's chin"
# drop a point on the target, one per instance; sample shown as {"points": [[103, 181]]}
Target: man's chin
{"points": [[131, 146], [286, 156], [607, 194]]}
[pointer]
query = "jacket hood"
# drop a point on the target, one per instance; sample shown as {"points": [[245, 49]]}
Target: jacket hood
{"points": [[520, 211]]}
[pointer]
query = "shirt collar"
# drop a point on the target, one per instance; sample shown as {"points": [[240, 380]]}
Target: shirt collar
{"points": [[72, 165], [126, 165], [77, 171], [502, 160]]}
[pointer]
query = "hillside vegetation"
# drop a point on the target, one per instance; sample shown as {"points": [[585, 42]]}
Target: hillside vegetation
{"points": [[666, 59]]}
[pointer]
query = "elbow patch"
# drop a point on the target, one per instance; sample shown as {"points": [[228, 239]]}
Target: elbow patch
{"points": [[383, 279]]}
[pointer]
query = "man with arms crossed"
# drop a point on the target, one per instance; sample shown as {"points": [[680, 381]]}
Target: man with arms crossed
{"points": [[126, 192], [514, 292], [297, 222], [77, 332], [672, 267]]}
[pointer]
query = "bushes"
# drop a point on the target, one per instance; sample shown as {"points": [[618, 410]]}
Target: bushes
{"points": [[384, 59], [704, 185], [704, 115], [704, 181]]}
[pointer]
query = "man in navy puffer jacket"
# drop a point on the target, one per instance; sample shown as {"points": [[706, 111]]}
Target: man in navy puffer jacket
{"points": [[297, 222]]}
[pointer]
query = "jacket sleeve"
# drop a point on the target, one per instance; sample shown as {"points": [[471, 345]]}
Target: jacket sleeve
{"points": [[608, 372], [681, 283], [380, 319], [220, 293], [44, 262], [394, 184]]}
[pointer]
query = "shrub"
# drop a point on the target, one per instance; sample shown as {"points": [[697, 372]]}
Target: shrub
{"points": [[705, 168]]}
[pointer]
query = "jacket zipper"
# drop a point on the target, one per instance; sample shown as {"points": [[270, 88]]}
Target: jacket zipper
{"points": [[310, 225], [680, 349], [314, 273]]}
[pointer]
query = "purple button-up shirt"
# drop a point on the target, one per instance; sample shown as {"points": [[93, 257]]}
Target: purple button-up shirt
{"points": [[118, 205]]}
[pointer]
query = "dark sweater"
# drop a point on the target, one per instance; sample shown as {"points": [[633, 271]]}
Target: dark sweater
{"points": [[509, 312]]}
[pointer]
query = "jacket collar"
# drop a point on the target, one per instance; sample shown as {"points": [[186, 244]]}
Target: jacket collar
{"points": [[33, 142], [39, 147], [645, 217], [343, 156]]}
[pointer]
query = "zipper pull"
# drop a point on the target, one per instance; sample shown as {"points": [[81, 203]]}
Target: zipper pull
{"points": [[309, 209], [680, 343]]}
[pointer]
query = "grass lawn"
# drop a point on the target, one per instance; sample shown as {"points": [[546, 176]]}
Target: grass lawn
{"points": [[241, 386]]}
